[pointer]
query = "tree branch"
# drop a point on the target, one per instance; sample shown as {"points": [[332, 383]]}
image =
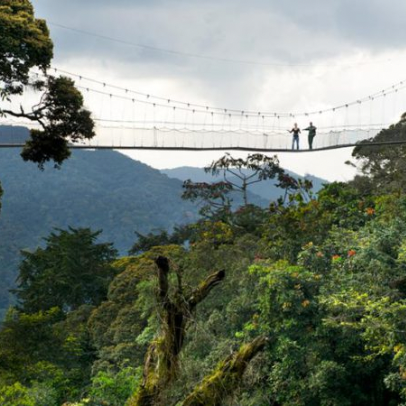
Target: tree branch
{"points": [[32, 116], [231, 183], [255, 173], [204, 289], [235, 174], [226, 377]]}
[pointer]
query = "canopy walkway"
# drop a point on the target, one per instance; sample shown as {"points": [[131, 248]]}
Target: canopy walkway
{"points": [[128, 119]]}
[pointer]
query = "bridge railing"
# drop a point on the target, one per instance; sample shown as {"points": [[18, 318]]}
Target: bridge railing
{"points": [[200, 139]]}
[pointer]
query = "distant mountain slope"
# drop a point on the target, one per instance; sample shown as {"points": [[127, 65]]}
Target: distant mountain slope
{"points": [[266, 189], [13, 134], [98, 189]]}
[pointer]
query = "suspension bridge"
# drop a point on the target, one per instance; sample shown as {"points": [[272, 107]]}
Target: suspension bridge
{"points": [[129, 119]]}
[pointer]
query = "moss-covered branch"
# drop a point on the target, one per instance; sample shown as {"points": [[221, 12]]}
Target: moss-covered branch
{"points": [[205, 288], [161, 361], [226, 377]]}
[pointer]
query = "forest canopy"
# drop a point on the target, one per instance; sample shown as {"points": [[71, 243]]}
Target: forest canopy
{"points": [[303, 302]]}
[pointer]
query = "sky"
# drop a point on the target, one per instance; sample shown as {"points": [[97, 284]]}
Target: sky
{"points": [[271, 55]]}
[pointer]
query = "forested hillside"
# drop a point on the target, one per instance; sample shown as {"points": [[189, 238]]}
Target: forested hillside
{"points": [[301, 303], [103, 190]]}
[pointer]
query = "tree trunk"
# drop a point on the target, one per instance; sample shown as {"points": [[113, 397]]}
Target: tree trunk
{"points": [[161, 361], [244, 192]]}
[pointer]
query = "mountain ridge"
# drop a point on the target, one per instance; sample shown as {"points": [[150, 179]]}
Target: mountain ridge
{"points": [[97, 189]]}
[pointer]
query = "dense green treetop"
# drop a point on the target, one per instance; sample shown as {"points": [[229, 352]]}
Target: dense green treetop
{"points": [[25, 43], [383, 166], [323, 280], [71, 271], [59, 113]]}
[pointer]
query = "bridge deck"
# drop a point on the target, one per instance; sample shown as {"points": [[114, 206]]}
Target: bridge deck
{"points": [[327, 148]]}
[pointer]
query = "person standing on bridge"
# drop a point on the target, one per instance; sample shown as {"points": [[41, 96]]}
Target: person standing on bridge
{"points": [[296, 131], [312, 133]]}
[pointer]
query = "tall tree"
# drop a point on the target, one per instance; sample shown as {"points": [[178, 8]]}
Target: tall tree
{"points": [[161, 361], [162, 358], [72, 270], [26, 44], [255, 168], [238, 174]]}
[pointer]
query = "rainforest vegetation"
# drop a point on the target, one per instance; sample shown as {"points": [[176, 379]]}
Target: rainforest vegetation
{"points": [[299, 303]]}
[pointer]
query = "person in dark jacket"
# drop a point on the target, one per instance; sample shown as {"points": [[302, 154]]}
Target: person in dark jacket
{"points": [[312, 133]]}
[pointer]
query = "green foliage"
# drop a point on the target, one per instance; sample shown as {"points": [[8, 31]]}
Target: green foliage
{"points": [[26, 44], [72, 270], [48, 352], [122, 326], [130, 196], [213, 197], [114, 389], [260, 167], [25, 341], [19, 395], [45, 344], [179, 236], [384, 165], [249, 219], [337, 319], [15, 395], [295, 225], [218, 386], [63, 119], [321, 277]]}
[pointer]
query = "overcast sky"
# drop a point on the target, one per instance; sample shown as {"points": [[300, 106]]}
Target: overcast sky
{"points": [[294, 55]]}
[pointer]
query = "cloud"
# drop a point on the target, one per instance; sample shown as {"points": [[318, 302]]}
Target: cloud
{"points": [[314, 32], [226, 29], [334, 42], [343, 49]]}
